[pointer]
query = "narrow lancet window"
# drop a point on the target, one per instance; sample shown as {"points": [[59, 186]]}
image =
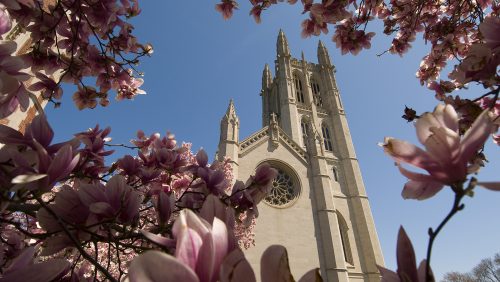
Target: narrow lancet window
{"points": [[298, 88], [326, 138], [305, 127], [316, 93], [335, 175], [344, 236]]}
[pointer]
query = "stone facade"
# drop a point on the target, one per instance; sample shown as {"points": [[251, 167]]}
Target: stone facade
{"points": [[318, 208]]}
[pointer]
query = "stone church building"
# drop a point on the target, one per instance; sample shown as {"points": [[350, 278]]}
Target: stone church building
{"points": [[318, 208]]}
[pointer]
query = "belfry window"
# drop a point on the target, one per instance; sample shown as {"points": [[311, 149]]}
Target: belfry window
{"points": [[335, 174], [326, 138], [344, 236], [305, 128], [298, 88], [316, 94]]}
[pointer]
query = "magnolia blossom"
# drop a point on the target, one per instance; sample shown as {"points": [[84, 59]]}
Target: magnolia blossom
{"points": [[203, 253], [5, 22], [407, 265], [447, 155], [226, 8], [23, 268]]}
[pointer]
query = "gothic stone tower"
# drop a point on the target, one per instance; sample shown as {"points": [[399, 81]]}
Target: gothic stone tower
{"points": [[318, 208]]}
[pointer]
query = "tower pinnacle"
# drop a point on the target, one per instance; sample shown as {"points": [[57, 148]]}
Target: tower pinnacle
{"points": [[282, 44], [230, 112], [323, 57], [267, 77]]}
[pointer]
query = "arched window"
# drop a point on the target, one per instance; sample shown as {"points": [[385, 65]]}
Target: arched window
{"points": [[298, 88], [316, 94], [344, 236], [304, 126], [326, 138], [335, 174]]}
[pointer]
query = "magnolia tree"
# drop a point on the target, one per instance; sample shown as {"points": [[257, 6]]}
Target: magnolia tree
{"points": [[162, 213], [464, 33], [165, 213]]}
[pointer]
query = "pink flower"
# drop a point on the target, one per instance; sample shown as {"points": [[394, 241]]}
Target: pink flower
{"points": [[313, 27], [85, 97], [262, 182], [348, 39], [255, 12], [23, 268], [226, 8], [447, 156], [202, 254], [50, 89], [407, 265], [490, 30], [199, 252], [116, 200], [5, 22]]}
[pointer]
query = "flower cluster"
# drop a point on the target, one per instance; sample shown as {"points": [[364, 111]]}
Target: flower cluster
{"points": [[61, 201], [70, 42], [464, 32], [205, 252]]}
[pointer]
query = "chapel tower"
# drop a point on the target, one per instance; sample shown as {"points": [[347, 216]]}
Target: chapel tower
{"points": [[318, 207]]}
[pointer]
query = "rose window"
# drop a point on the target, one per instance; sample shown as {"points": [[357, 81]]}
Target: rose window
{"points": [[283, 190]]}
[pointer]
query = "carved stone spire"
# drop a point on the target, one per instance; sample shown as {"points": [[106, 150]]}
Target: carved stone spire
{"points": [[323, 57], [230, 112], [267, 77], [282, 45]]}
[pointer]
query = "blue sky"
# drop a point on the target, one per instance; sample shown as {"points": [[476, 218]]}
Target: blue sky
{"points": [[201, 61]]}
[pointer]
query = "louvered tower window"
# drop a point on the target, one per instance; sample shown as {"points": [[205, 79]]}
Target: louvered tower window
{"points": [[298, 88], [305, 128], [316, 93], [326, 138]]}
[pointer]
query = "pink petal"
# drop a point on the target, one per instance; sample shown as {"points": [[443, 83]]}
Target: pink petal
{"points": [[421, 190], [202, 158], [115, 188], [407, 265], [274, 265], [424, 124], [154, 266], [40, 130], [55, 244], [446, 116], [422, 270], [221, 244], [495, 186], [27, 178], [235, 268], [9, 135], [475, 137], [50, 270], [187, 218], [89, 194], [164, 205], [388, 275], [443, 145], [402, 151], [205, 263], [24, 259], [102, 208], [62, 164], [160, 240], [312, 275], [414, 175], [213, 207], [188, 246]]}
